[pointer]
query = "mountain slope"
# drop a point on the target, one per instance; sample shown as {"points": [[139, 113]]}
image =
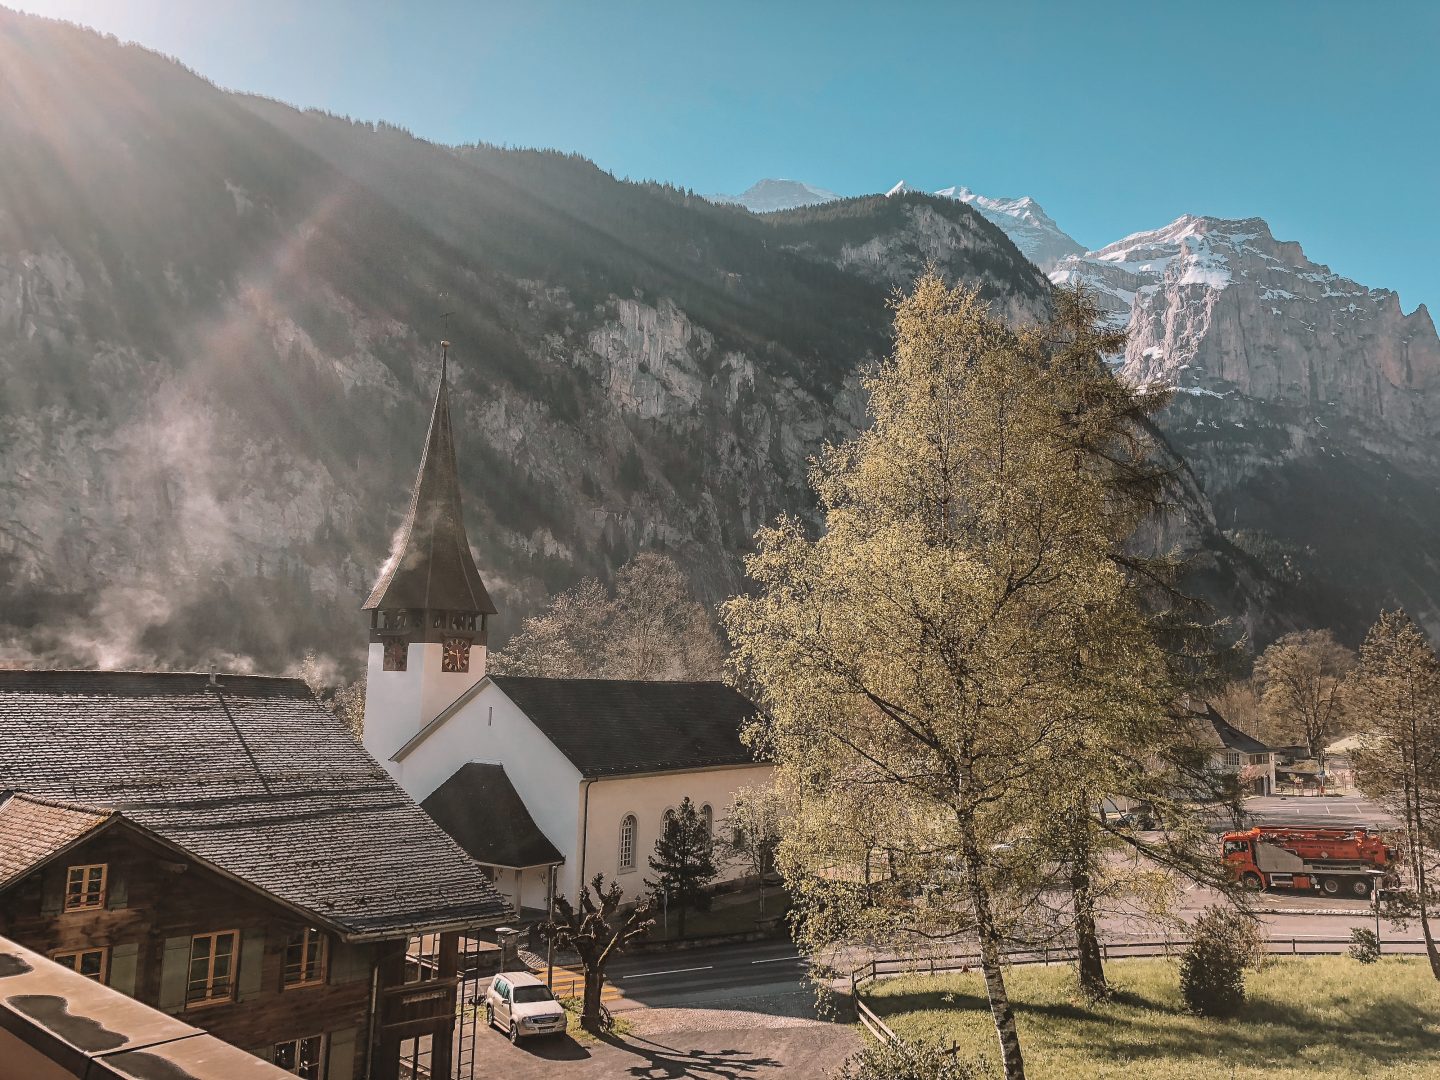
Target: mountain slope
{"points": [[217, 328], [1309, 406], [1026, 223]]}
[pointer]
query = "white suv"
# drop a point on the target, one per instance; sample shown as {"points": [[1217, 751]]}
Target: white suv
{"points": [[520, 1004]]}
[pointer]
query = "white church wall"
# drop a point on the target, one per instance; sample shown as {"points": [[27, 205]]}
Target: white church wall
{"points": [[648, 797], [399, 703], [490, 728]]}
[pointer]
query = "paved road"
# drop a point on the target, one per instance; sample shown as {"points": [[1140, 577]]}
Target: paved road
{"points": [[723, 977], [1330, 811]]}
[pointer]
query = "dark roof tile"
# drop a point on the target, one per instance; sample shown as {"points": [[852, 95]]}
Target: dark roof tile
{"points": [[609, 727], [481, 809], [252, 776]]}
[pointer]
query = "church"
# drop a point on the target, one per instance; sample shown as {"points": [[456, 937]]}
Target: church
{"points": [[531, 776]]}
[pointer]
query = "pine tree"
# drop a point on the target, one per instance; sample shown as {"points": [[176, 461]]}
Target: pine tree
{"points": [[684, 862]]}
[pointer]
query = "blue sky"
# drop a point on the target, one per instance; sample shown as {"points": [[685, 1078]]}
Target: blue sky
{"points": [[1322, 117]]}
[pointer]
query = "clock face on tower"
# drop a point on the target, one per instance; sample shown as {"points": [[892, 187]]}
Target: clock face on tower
{"points": [[455, 655], [396, 654]]}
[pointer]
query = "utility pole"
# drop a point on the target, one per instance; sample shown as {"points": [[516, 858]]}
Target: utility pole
{"points": [[550, 938]]}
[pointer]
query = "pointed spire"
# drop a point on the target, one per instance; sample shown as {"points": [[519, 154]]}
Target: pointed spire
{"points": [[431, 566]]}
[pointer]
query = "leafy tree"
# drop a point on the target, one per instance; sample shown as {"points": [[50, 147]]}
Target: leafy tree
{"points": [[1397, 686], [958, 655], [650, 628], [684, 862], [1302, 676], [1212, 968], [904, 1060], [750, 832], [597, 933]]}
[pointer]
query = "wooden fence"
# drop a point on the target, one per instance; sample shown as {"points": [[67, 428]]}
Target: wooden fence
{"points": [[877, 967]]}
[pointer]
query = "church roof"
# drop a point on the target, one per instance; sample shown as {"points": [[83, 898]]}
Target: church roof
{"points": [[430, 565], [481, 809], [251, 776], [611, 727]]}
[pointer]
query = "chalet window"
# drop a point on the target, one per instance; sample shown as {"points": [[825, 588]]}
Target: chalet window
{"points": [[628, 826], [1259, 759], [304, 958], [212, 967], [85, 887], [303, 1057], [1232, 758], [92, 963]]}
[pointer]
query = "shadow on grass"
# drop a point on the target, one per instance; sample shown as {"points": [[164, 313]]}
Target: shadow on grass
{"points": [[1143, 1025], [661, 1062]]}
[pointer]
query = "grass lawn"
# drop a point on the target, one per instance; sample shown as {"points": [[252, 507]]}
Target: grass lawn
{"points": [[1321, 1018]]}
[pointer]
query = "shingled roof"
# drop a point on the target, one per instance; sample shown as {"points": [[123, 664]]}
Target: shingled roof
{"points": [[431, 566], [610, 727], [1229, 737], [251, 776], [33, 831], [481, 809]]}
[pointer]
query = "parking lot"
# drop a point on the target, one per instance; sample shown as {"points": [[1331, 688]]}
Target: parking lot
{"points": [[706, 1044]]}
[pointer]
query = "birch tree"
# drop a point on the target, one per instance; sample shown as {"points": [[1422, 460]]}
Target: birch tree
{"points": [[935, 658], [1397, 688]]}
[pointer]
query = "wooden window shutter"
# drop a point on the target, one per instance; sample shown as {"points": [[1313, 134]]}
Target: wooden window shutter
{"points": [[52, 890], [123, 962], [340, 1061], [174, 973], [348, 963], [117, 894], [252, 961]]}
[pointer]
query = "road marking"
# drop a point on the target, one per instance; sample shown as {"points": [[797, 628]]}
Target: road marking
{"points": [[673, 971], [777, 960]]}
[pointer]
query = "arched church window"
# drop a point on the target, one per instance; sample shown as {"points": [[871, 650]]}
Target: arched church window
{"points": [[628, 825], [707, 815]]}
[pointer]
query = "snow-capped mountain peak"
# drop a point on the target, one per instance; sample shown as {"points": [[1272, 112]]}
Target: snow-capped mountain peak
{"points": [[1217, 304], [902, 188], [772, 194], [1025, 221]]}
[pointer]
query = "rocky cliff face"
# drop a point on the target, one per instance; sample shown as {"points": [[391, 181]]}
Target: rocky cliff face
{"points": [[1307, 404]]}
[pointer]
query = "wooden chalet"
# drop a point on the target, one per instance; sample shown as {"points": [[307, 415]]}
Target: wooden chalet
{"points": [[224, 850]]}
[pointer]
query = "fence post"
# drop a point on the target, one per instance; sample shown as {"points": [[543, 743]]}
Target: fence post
{"points": [[1294, 947]]}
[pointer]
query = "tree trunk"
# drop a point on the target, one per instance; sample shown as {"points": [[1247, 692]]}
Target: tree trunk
{"points": [[1010, 1056], [590, 1013], [1090, 962]]}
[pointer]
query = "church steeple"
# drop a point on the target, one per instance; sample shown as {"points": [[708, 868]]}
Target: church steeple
{"points": [[429, 610]]}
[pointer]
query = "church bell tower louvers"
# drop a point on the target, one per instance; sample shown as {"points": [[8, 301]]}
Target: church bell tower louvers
{"points": [[429, 610]]}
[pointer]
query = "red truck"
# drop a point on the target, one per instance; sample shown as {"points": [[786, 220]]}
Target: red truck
{"points": [[1337, 862]]}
